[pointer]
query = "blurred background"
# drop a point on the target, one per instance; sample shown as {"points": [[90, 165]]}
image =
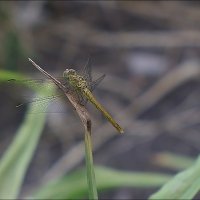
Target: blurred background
{"points": [[149, 51]]}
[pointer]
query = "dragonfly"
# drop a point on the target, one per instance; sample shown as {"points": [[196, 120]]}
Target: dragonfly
{"points": [[81, 85]]}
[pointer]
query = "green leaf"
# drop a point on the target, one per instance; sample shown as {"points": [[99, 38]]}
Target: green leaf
{"points": [[184, 185], [74, 185]]}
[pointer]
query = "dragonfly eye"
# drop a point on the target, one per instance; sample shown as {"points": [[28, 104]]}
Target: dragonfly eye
{"points": [[68, 72]]}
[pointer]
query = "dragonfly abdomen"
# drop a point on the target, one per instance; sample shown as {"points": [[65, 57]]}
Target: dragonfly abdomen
{"points": [[92, 99]]}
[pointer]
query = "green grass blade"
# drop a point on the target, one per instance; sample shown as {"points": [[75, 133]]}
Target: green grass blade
{"points": [[92, 188], [172, 161], [184, 185], [74, 185], [15, 161], [6, 75]]}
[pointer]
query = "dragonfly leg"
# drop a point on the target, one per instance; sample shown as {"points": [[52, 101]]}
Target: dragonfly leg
{"points": [[80, 98]]}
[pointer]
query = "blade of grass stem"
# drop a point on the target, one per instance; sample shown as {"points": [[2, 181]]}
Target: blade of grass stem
{"points": [[14, 164], [92, 188]]}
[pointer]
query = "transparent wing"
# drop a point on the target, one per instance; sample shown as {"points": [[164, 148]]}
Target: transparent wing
{"points": [[39, 85], [45, 104], [95, 83], [47, 95], [87, 74], [87, 71], [35, 84], [37, 100]]}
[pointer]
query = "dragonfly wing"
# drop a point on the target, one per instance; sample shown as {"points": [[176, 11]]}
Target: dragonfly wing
{"points": [[32, 81], [41, 104], [95, 83], [46, 89], [35, 84], [87, 74], [87, 71]]}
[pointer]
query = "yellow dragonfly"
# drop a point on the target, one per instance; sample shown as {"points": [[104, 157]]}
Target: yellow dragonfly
{"points": [[82, 86]]}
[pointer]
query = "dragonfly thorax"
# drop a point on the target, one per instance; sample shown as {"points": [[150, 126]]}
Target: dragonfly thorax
{"points": [[74, 79]]}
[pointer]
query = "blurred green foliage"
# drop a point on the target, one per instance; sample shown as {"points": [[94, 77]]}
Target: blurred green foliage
{"points": [[13, 51]]}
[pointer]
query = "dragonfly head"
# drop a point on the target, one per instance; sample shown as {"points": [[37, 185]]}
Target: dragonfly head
{"points": [[69, 72]]}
